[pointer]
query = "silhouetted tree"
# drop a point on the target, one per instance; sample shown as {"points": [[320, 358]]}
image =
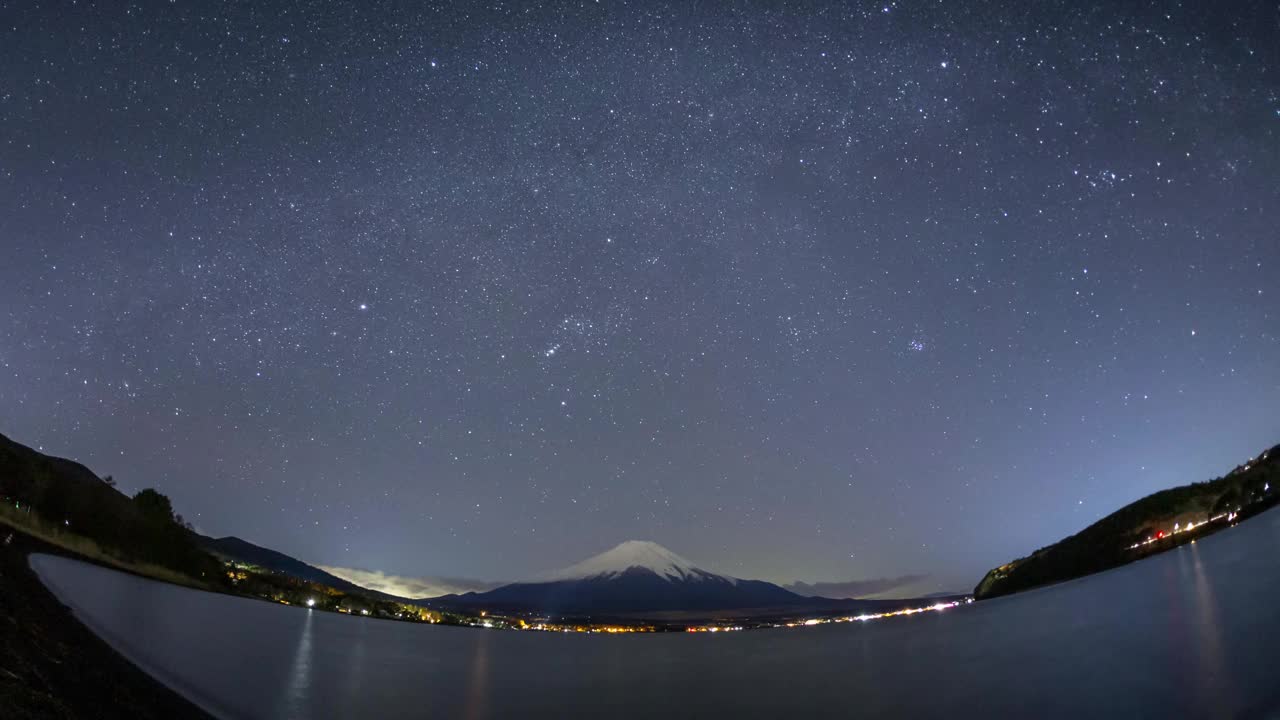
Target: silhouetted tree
{"points": [[154, 506]]}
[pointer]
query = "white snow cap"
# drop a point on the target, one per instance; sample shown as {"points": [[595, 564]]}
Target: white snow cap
{"points": [[630, 554]]}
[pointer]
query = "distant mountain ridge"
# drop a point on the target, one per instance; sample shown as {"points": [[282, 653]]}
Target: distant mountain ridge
{"points": [[635, 576]]}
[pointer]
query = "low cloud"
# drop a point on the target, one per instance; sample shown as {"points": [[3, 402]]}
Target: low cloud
{"points": [[409, 587], [903, 586]]}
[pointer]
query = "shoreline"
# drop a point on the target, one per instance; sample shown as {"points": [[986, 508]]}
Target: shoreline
{"points": [[52, 665]]}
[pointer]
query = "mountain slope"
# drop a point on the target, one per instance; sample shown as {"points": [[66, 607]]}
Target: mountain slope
{"points": [[42, 491], [1143, 528], [62, 490], [635, 576], [233, 548]]}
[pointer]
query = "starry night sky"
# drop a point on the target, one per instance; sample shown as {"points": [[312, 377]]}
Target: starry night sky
{"points": [[798, 290]]}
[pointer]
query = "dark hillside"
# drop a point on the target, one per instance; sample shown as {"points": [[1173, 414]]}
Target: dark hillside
{"points": [[1147, 524], [39, 489]]}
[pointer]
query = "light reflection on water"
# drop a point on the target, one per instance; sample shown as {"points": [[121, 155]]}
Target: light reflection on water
{"points": [[298, 691], [478, 680], [1189, 633], [1211, 654]]}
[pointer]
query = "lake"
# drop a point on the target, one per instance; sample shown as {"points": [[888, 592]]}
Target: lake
{"points": [[1194, 632]]}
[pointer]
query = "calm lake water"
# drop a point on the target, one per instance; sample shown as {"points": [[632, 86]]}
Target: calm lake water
{"points": [[1194, 632]]}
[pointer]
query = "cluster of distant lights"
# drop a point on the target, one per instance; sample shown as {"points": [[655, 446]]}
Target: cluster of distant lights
{"points": [[936, 607], [485, 622], [597, 629], [1180, 528], [810, 622], [311, 603]]}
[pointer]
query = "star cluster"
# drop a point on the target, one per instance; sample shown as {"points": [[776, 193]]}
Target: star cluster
{"points": [[802, 291]]}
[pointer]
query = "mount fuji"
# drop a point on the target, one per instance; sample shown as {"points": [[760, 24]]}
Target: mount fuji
{"points": [[636, 576]]}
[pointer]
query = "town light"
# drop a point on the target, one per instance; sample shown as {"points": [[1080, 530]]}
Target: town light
{"points": [[311, 602]]}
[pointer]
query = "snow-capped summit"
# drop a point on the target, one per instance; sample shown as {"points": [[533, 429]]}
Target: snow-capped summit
{"points": [[636, 576], [633, 554]]}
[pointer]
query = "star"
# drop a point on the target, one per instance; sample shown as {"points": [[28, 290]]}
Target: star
{"points": [[811, 282]]}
